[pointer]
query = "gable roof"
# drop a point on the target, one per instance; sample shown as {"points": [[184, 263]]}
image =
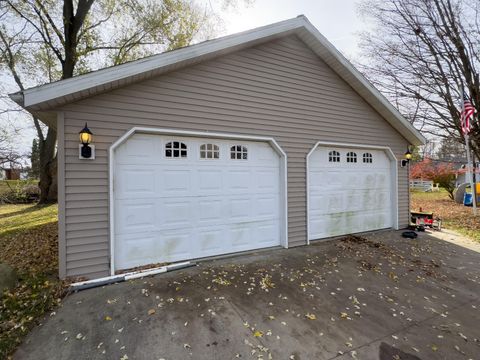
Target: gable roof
{"points": [[45, 98]]}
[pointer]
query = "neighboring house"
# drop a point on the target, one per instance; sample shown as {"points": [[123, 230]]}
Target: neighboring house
{"points": [[269, 137], [9, 174]]}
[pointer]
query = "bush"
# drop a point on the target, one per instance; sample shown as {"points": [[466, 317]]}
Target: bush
{"points": [[18, 192], [442, 174]]}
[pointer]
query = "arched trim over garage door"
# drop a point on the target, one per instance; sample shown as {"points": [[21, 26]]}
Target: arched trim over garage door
{"points": [[155, 131], [393, 175]]}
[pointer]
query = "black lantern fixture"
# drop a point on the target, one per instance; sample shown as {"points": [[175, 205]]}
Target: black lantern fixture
{"points": [[408, 157], [85, 139]]}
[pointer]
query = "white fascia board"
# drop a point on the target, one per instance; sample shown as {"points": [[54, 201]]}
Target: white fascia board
{"points": [[65, 87]]}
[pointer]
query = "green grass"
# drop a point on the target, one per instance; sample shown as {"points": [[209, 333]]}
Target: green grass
{"points": [[23, 217], [433, 195], [28, 243]]}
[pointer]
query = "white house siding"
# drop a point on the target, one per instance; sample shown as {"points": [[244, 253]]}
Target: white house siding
{"points": [[279, 89]]}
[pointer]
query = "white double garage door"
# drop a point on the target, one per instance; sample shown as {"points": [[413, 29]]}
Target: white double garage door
{"points": [[180, 197]]}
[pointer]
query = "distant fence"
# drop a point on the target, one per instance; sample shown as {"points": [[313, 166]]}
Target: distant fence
{"points": [[423, 185]]}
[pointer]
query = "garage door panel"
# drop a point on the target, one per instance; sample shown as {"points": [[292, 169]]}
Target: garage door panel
{"points": [[348, 197], [351, 180], [266, 206], [138, 150], [354, 201], [317, 180], [267, 233], [174, 245], [265, 155], [210, 210], [238, 180], [176, 181], [134, 180], [267, 180], [211, 241], [240, 209], [136, 244], [210, 181], [335, 203], [240, 237], [175, 213], [317, 202], [134, 216], [173, 209], [333, 179]]}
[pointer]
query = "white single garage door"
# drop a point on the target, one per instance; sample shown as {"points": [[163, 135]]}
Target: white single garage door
{"points": [[349, 191], [179, 198]]}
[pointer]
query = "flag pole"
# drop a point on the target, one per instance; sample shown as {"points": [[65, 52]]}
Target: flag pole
{"points": [[469, 159], [474, 176], [469, 174]]}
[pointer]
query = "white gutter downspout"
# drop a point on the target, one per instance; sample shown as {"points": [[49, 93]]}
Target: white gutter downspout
{"points": [[82, 285]]}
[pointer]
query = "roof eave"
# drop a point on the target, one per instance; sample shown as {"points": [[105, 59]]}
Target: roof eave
{"points": [[17, 98], [53, 95]]}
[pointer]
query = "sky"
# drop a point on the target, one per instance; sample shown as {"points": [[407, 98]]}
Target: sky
{"points": [[337, 20]]}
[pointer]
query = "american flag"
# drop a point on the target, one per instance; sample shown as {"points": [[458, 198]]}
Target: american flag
{"points": [[466, 115]]}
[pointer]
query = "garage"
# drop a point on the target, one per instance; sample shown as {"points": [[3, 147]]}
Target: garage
{"points": [[131, 200], [180, 197], [350, 190]]}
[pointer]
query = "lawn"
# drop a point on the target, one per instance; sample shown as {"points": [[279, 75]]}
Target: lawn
{"points": [[454, 216], [28, 239]]}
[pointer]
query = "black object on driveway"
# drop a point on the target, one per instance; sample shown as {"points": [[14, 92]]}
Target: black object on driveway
{"points": [[409, 234]]}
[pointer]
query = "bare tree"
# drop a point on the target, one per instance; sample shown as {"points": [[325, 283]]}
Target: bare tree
{"points": [[451, 150], [422, 54], [9, 156], [45, 40]]}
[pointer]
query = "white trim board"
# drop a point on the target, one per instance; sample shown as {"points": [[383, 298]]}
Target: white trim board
{"points": [[393, 169], [53, 95], [160, 131]]}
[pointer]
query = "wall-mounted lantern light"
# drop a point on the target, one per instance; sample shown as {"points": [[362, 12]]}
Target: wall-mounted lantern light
{"points": [[408, 157], [86, 149]]}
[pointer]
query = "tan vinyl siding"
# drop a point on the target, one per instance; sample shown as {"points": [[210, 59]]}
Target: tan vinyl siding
{"points": [[279, 89]]}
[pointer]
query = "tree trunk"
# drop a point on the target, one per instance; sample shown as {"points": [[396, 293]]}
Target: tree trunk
{"points": [[48, 168]]}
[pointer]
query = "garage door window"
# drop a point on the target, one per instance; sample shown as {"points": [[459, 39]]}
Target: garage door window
{"points": [[351, 157], [367, 158], [333, 156], [175, 149], [238, 152], [209, 151]]}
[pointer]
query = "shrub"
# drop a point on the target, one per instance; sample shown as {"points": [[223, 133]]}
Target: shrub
{"points": [[19, 192], [442, 174]]}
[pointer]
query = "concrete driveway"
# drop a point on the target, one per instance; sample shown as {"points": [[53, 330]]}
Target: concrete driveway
{"points": [[386, 298]]}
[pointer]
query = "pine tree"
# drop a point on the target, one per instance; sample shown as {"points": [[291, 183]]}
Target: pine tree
{"points": [[35, 160]]}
